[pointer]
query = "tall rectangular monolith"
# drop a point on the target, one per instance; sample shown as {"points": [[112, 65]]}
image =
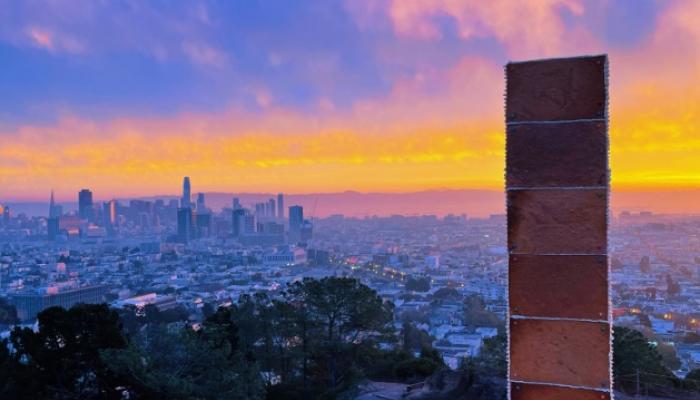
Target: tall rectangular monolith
{"points": [[557, 187]]}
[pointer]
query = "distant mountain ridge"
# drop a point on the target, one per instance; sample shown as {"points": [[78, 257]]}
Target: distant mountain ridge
{"points": [[474, 203]]}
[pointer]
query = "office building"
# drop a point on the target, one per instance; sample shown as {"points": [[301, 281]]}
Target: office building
{"points": [[109, 213], [285, 257], [280, 206], [85, 210], [54, 210], [186, 201], [238, 216], [52, 227], [306, 231], [296, 219], [271, 208], [31, 303], [201, 205], [260, 209], [248, 224], [271, 228], [184, 224], [203, 224]]}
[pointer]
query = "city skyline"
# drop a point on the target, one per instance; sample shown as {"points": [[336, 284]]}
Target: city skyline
{"points": [[393, 97]]}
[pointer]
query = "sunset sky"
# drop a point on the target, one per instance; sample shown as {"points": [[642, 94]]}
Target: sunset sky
{"points": [[127, 97]]}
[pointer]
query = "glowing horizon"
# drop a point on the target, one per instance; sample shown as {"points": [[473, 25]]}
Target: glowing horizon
{"points": [[374, 96]]}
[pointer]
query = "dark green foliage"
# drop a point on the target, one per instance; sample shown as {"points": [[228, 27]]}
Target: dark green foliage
{"points": [[416, 369], [62, 359], [332, 316], [288, 391], [668, 356], [414, 339], [316, 337], [82, 353], [632, 355], [692, 380], [491, 360], [208, 310], [400, 365], [382, 364], [476, 314], [419, 284], [447, 293], [11, 375], [162, 362], [134, 318]]}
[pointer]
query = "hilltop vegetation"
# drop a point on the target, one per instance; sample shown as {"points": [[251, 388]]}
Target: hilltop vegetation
{"points": [[317, 340]]}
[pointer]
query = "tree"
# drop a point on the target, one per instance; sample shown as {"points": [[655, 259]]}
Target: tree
{"points": [[491, 361], [447, 294], [420, 284], [400, 365], [13, 375], [62, 358], [416, 368], [414, 339], [161, 362], [319, 337], [633, 356], [476, 314], [266, 328], [668, 356], [692, 380], [343, 312], [208, 310]]}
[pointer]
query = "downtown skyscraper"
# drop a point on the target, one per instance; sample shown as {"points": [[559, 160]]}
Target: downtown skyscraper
{"points": [[186, 201], [280, 206], [296, 220], [85, 207]]}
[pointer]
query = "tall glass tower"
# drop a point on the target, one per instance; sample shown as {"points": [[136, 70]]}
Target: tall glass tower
{"points": [[186, 201]]}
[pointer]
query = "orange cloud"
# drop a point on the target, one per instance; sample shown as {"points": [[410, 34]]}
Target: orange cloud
{"points": [[138, 157], [656, 105]]}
